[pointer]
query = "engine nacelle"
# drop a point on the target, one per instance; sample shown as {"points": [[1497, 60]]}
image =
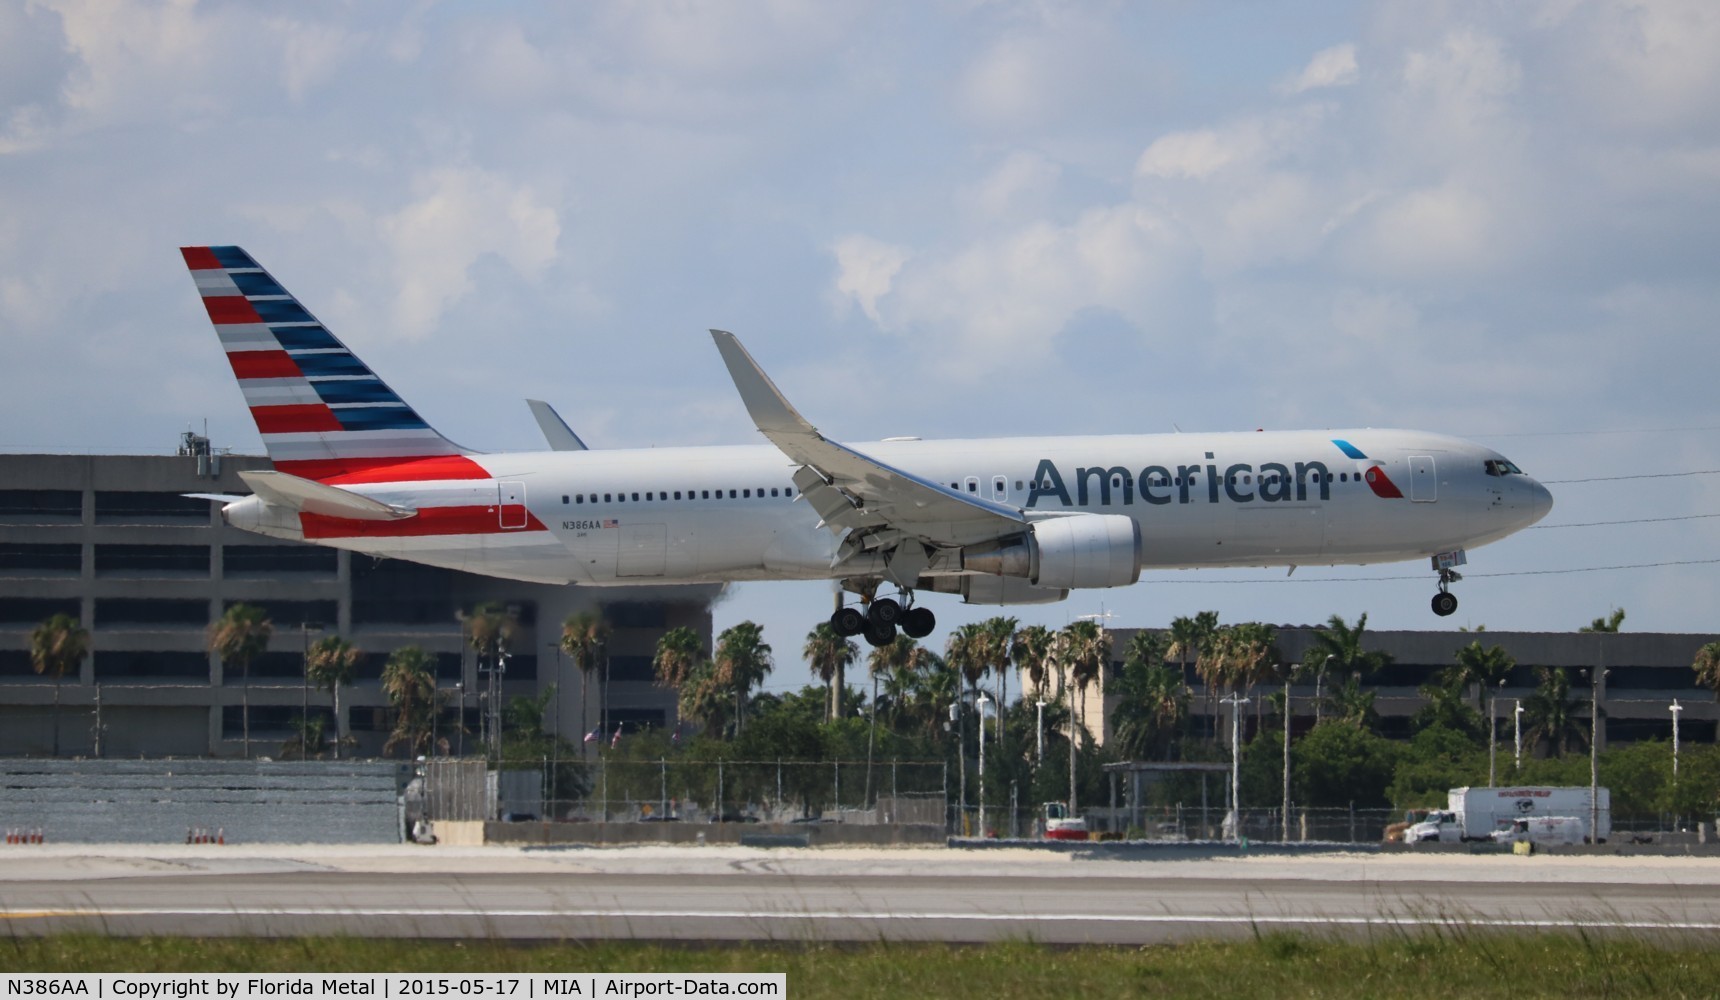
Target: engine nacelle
{"points": [[992, 590], [1066, 553]]}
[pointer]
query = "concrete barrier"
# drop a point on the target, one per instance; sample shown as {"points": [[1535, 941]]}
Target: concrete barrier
{"points": [[808, 834]]}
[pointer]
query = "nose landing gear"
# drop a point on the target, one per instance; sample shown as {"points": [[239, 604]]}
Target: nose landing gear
{"points": [[1445, 602]]}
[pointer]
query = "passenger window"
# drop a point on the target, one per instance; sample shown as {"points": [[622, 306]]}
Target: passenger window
{"points": [[677, 494], [648, 496], [773, 491], [1018, 486], [731, 494], [565, 500], [788, 492], [579, 498], [746, 494], [635, 498], [607, 498]]}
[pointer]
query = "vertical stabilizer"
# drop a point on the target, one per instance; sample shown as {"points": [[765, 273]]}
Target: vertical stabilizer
{"points": [[322, 412]]}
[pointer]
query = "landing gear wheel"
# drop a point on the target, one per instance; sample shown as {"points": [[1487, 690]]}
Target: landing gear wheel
{"points": [[1444, 604], [880, 635], [917, 623], [848, 621], [884, 611]]}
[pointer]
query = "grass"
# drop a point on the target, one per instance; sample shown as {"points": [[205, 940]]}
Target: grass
{"points": [[1452, 962]]}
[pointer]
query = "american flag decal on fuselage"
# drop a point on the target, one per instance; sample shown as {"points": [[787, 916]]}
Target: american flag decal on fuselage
{"points": [[322, 412]]}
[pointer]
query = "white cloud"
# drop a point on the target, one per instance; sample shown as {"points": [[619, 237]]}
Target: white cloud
{"points": [[460, 214], [1333, 67], [865, 269], [1023, 183]]}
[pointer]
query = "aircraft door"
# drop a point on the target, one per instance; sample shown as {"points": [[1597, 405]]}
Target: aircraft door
{"points": [[999, 489], [1423, 482], [644, 550], [511, 505]]}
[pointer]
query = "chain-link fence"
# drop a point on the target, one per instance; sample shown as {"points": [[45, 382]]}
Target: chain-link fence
{"points": [[614, 790]]}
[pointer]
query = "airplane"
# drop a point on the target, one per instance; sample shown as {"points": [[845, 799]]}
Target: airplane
{"points": [[1002, 521]]}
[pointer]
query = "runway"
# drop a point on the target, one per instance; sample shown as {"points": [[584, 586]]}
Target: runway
{"points": [[799, 895]]}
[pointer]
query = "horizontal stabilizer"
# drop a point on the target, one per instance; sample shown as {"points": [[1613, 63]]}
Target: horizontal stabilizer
{"points": [[282, 489], [217, 497]]}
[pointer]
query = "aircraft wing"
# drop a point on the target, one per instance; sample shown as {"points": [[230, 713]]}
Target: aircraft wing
{"points": [[555, 430], [852, 490]]}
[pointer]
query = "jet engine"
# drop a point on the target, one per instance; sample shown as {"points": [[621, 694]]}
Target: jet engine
{"points": [[1065, 553]]}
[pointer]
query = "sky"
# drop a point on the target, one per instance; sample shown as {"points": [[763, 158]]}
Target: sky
{"points": [[945, 219]]}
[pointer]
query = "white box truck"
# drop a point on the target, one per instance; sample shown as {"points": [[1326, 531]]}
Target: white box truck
{"points": [[1477, 813], [1542, 830]]}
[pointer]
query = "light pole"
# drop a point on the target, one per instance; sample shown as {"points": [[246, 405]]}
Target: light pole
{"points": [[1675, 708], [979, 708], [1594, 747], [1517, 735], [961, 761], [1039, 729], [460, 727], [1493, 738], [1236, 702], [1284, 824], [1319, 681]]}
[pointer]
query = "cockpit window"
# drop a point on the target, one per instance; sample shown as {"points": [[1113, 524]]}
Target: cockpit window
{"points": [[1501, 467]]}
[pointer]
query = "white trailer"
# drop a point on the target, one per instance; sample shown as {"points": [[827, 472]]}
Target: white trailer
{"points": [[1477, 813], [1542, 830]]}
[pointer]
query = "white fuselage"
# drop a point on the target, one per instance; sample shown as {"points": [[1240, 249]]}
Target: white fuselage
{"points": [[718, 514]]}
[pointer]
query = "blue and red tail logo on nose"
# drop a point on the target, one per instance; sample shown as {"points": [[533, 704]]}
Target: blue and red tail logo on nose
{"points": [[1374, 476]]}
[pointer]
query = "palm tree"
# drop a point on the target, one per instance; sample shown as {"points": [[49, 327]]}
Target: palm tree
{"points": [[410, 685], [1552, 713], [585, 640], [1151, 699], [888, 660], [964, 651], [704, 699], [1486, 669], [490, 630], [1190, 639], [57, 647], [1707, 667], [1608, 624], [995, 647], [742, 662], [1028, 650], [1337, 650], [1084, 648], [241, 635], [330, 663], [829, 653]]}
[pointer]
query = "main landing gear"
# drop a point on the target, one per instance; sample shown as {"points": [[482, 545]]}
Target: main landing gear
{"points": [[881, 618], [1445, 602]]}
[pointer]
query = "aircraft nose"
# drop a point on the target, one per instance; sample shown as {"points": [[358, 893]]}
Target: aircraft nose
{"points": [[1540, 500]]}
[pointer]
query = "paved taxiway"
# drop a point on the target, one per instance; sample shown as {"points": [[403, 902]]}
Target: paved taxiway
{"points": [[728, 893]]}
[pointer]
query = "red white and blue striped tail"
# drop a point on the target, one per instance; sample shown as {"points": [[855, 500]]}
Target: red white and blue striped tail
{"points": [[323, 414]]}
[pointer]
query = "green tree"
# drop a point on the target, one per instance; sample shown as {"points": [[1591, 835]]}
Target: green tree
{"points": [[1610, 623], [1552, 713], [1191, 638], [1707, 667], [743, 661], [330, 664], [240, 636], [1337, 764], [1151, 704], [409, 683], [489, 630], [1029, 649], [585, 640], [1337, 649], [995, 648], [57, 647], [829, 654]]}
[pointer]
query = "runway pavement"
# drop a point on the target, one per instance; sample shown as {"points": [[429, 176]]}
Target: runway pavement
{"points": [[730, 893]]}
